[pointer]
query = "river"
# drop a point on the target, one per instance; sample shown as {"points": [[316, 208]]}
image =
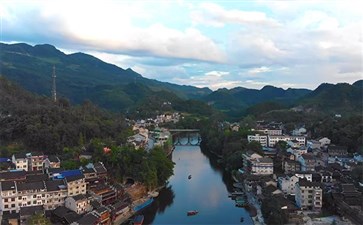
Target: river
{"points": [[207, 192]]}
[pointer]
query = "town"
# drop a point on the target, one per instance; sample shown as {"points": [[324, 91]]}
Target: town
{"points": [[34, 185], [294, 176]]}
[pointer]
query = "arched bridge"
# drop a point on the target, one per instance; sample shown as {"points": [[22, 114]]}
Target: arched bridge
{"points": [[185, 137]]}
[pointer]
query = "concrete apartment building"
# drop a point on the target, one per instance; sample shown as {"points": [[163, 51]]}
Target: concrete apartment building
{"points": [[78, 203], [20, 161], [76, 185], [262, 139], [308, 195]]}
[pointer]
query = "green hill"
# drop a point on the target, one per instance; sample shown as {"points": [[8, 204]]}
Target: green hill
{"points": [[339, 98], [81, 76], [237, 100]]}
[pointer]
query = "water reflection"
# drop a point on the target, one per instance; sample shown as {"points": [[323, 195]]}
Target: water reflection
{"points": [[161, 203], [207, 192]]}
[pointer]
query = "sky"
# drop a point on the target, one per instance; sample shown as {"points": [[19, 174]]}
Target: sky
{"points": [[215, 44]]}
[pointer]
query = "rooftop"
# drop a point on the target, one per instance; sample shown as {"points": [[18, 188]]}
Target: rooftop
{"points": [[7, 185], [30, 186], [30, 210], [88, 219]]}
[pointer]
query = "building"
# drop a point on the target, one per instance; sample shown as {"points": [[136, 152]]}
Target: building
{"points": [[20, 161], [256, 164], [104, 215], [299, 151], [76, 185], [15, 195], [305, 175], [273, 139], [262, 139], [270, 131], [13, 176], [287, 184], [101, 170], [324, 141], [56, 193], [104, 194], [338, 151], [36, 160], [299, 131], [138, 140], [51, 162], [291, 166], [308, 195], [350, 194], [88, 219], [78, 203], [313, 144], [307, 162], [247, 157]]}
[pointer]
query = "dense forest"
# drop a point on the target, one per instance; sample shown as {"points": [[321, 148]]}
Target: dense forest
{"points": [[36, 123]]}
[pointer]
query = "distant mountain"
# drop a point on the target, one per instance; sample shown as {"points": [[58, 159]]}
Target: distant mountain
{"points": [[236, 100], [81, 76], [335, 98]]}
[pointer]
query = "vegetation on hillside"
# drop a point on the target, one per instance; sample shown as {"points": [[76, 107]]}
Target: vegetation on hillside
{"points": [[35, 123]]}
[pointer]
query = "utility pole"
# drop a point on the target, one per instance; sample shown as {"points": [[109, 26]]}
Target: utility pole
{"points": [[54, 91]]}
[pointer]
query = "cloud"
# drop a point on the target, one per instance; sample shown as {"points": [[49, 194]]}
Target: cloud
{"points": [[262, 69], [215, 15], [297, 43], [107, 27]]}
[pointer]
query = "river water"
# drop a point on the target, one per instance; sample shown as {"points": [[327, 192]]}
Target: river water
{"points": [[207, 192]]}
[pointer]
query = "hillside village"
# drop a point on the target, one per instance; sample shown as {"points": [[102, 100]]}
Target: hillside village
{"points": [[301, 175], [36, 184]]}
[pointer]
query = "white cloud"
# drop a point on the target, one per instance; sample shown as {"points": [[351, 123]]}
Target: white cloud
{"points": [[215, 15], [109, 27], [262, 69]]}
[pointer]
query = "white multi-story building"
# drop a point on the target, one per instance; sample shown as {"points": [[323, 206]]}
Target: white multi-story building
{"points": [[56, 193], [256, 164], [272, 139], [308, 195], [262, 166], [76, 185], [8, 201], [79, 204], [271, 131], [297, 152], [262, 139], [16, 195], [20, 161], [287, 184]]}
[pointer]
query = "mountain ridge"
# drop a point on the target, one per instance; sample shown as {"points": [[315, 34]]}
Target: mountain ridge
{"points": [[81, 76]]}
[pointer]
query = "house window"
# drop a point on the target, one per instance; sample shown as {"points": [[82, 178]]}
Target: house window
{"points": [[5, 200], [12, 205]]}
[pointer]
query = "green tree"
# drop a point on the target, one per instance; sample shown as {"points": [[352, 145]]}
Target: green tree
{"points": [[38, 219], [164, 166]]}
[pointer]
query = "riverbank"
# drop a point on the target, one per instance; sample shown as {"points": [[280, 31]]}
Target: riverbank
{"points": [[124, 218], [252, 201]]}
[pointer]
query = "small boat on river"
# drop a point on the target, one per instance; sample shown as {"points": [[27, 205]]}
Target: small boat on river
{"points": [[190, 177], [192, 213], [138, 220]]}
